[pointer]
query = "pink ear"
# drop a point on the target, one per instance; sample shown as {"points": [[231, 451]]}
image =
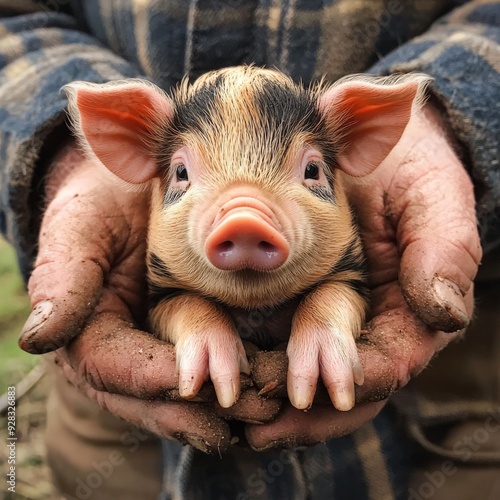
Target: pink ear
{"points": [[369, 118], [115, 121]]}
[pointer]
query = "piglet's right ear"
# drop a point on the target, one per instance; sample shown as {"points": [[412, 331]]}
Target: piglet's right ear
{"points": [[114, 122], [369, 116]]}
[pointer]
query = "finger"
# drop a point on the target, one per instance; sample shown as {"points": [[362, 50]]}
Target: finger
{"points": [[436, 275], [66, 283], [58, 315], [440, 248], [438, 242], [189, 423], [421, 198], [294, 428], [113, 356], [398, 344], [89, 225], [431, 206], [251, 408]]}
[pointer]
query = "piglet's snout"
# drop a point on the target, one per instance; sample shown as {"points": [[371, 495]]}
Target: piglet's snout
{"points": [[245, 235]]}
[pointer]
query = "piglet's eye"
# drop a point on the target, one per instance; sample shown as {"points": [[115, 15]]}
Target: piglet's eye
{"points": [[181, 173], [312, 171]]}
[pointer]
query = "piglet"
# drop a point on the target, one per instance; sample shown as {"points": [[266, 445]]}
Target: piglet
{"points": [[251, 234]]}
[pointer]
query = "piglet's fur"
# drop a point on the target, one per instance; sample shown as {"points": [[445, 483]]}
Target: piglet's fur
{"points": [[251, 235]]}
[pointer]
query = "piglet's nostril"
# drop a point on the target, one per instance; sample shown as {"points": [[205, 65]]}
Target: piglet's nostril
{"points": [[267, 247], [245, 238], [225, 246]]}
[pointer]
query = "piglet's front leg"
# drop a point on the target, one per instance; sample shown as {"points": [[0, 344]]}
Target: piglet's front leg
{"points": [[322, 342], [206, 344]]}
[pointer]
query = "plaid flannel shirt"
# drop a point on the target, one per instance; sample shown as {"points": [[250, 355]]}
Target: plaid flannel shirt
{"points": [[45, 44]]}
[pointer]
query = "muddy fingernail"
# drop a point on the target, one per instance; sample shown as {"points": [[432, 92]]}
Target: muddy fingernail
{"points": [[197, 442], [448, 295], [343, 399], [36, 319]]}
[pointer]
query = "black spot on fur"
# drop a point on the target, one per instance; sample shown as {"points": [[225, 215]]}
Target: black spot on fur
{"points": [[158, 267], [323, 193], [351, 260], [157, 294], [172, 196], [286, 109], [194, 114], [292, 109]]}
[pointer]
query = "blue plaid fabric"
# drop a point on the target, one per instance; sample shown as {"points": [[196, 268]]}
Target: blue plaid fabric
{"points": [[372, 463]]}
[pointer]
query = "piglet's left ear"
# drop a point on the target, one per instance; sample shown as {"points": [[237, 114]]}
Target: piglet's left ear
{"points": [[367, 117], [114, 122]]}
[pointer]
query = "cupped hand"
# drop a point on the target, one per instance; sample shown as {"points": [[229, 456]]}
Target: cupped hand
{"points": [[88, 291], [417, 218]]}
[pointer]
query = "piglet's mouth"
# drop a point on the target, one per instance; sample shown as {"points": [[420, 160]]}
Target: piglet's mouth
{"points": [[246, 235]]}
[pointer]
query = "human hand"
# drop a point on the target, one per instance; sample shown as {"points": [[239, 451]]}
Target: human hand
{"points": [[417, 218], [88, 294]]}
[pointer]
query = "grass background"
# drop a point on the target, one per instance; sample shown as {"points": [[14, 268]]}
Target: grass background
{"points": [[32, 475], [14, 309]]}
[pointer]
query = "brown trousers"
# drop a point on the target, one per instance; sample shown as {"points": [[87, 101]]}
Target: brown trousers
{"points": [[97, 456]]}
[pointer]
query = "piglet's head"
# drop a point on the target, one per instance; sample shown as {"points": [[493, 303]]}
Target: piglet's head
{"points": [[245, 171]]}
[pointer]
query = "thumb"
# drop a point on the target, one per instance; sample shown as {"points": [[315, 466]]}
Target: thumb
{"points": [[437, 234], [67, 279], [436, 281]]}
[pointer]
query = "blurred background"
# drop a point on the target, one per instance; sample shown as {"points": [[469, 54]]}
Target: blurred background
{"points": [[27, 373]]}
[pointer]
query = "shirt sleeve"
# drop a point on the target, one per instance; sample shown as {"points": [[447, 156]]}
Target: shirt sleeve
{"points": [[462, 53], [40, 51]]}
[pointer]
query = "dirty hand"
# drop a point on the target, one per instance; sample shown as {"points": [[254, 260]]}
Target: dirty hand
{"points": [[87, 291], [417, 218]]}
